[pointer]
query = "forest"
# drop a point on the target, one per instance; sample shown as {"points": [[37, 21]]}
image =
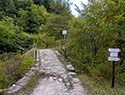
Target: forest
{"points": [[99, 26]]}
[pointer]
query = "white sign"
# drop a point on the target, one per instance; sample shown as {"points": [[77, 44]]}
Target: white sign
{"points": [[113, 54], [114, 50], [113, 59], [64, 32]]}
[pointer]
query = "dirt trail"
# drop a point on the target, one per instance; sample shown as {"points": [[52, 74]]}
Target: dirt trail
{"points": [[57, 80]]}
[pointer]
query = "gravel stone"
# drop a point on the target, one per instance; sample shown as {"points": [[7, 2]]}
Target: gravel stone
{"points": [[23, 81], [36, 64], [57, 53], [13, 89], [30, 73], [72, 74], [75, 80], [35, 68], [70, 67], [60, 79]]}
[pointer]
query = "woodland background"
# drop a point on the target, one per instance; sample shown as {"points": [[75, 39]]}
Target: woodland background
{"points": [[100, 25]]}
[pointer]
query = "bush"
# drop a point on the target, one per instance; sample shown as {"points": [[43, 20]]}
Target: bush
{"points": [[26, 64], [3, 80], [13, 67]]}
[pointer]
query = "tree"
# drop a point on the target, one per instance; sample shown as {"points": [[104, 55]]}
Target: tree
{"points": [[59, 7], [99, 26], [46, 3], [32, 18]]}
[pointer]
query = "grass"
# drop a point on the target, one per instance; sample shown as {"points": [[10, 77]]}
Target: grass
{"points": [[28, 88], [101, 87], [30, 85]]}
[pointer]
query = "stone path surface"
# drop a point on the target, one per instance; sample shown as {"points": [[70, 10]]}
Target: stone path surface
{"points": [[58, 80]]}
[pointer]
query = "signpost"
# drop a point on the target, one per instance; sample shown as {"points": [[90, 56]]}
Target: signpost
{"points": [[113, 57], [114, 54], [116, 50], [64, 33]]}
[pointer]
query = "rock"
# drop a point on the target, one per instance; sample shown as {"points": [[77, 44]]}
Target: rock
{"points": [[62, 58], [23, 81], [30, 73], [72, 74], [50, 79], [68, 84], [70, 67], [64, 77], [75, 80], [54, 78], [37, 59], [68, 63], [36, 64], [14, 85], [35, 68], [57, 53], [60, 79], [13, 89]]}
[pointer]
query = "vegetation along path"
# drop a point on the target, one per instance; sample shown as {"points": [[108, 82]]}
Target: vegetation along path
{"points": [[57, 80]]}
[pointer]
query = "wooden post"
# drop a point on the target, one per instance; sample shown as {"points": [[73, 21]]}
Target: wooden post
{"points": [[113, 74]]}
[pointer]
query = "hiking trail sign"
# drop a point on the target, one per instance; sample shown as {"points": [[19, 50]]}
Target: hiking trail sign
{"points": [[113, 57], [114, 54]]}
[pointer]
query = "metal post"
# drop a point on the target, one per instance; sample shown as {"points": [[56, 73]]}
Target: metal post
{"points": [[65, 46], [36, 54], [64, 33], [113, 74], [36, 44]]}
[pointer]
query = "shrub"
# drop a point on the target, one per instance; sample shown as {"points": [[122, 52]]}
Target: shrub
{"points": [[13, 67], [3, 80], [26, 64]]}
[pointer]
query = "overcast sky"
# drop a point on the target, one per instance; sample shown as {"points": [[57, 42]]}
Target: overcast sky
{"points": [[78, 3]]}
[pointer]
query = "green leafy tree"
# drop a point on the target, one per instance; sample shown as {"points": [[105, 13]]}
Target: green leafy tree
{"points": [[31, 19], [46, 3], [12, 39], [100, 26]]}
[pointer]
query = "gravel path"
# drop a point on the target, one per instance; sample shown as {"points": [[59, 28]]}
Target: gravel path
{"points": [[57, 80]]}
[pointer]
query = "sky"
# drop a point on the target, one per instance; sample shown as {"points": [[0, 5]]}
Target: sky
{"points": [[78, 3]]}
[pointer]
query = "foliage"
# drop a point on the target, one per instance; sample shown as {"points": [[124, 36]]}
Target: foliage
{"points": [[14, 68], [100, 26], [26, 64], [25, 24], [12, 39], [29, 23], [31, 19], [102, 87]]}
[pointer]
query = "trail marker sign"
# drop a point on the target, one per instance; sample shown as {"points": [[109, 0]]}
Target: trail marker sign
{"points": [[113, 54], [114, 50], [64, 32], [113, 57]]}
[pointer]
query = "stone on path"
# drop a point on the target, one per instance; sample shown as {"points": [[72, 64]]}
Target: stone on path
{"points": [[57, 80], [70, 67], [13, 89]]}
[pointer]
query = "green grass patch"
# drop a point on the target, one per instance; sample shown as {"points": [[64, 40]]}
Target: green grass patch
{"points": [[102, 87]]}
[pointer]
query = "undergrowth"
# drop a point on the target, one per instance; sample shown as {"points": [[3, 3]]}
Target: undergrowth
{"points": [[13, 67], [102, 87]]}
